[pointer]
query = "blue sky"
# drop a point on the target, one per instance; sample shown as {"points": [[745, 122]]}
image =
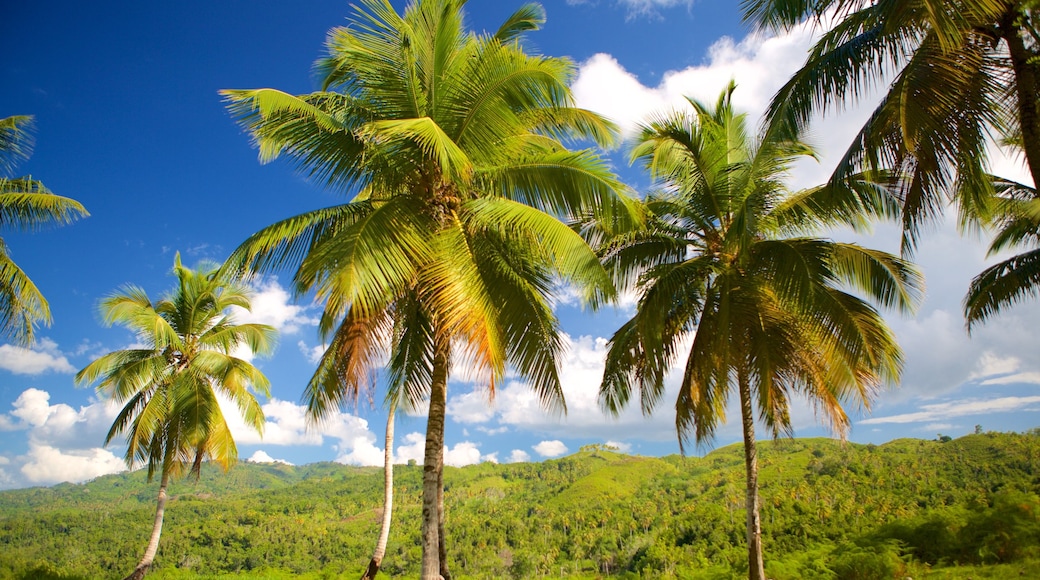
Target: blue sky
{"points": [[129, 122]]}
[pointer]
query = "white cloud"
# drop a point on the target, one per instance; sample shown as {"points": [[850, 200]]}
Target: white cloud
{"points": [[414, 449], [262, 457], [461, 454], [43, 357], [361, 450], [519, 456], [647, 8], [60, 424], [271, 304], [945, 411], [554, 448], [759, 64], [47, 465], [64, 442], [990, 364], [1032, 378], [313, 353], [471, 407], [581, 371], [620, 446], [465, 453]]}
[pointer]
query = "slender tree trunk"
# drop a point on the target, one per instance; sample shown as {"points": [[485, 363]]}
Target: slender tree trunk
{"points": [[756, 568], [153, 543], [433, 463], [442, 541], [388, 500], [1027, 85]]}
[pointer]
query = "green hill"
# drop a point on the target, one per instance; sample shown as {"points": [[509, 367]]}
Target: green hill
{"points": [[907, 508]]}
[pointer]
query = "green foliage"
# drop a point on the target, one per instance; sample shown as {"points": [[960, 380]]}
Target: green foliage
{"points": [[25, 204], [906, 508]]}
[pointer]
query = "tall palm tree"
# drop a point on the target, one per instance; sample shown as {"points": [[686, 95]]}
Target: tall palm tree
{"points": [[772, 313], [1009, 281], [962, 70], [27, 205], [169, 387], [376, 561], [449, 147]]}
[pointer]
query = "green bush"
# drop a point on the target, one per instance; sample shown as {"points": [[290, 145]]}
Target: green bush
{"points": [[876, 562]]}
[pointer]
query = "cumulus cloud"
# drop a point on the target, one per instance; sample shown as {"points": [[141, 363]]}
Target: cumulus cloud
{"points": [[60, 424], [286, 424], [271, 304], [519, 456], [263, 457], [46, 465], [759, 63], [63, 442], [471, 407], [360, 450], [465, 453], [459, 455], [554, 448], [517, 406], [413, 450], [42, 358]]}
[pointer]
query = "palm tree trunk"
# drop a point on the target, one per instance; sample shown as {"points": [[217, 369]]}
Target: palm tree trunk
{"points": [[1028, 87], [442, 543], [153, 543], [433, 463], [756, 568], [388, 500]]}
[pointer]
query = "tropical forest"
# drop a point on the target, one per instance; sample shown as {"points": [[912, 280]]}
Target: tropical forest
{"points": [[473, 196]]}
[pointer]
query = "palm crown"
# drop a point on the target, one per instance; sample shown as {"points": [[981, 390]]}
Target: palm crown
{"points": [[448, 142], [169, 386], [962, 71], [27, 205], [725, 262]]}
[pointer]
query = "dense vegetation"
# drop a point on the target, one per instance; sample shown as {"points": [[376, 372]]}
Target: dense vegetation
{"points": [[830, 511]]}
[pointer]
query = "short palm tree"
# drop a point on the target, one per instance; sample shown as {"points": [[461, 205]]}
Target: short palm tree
{"points": [[723, 261], [962, 70], [27, 205], [449, 147], [169, 386]]}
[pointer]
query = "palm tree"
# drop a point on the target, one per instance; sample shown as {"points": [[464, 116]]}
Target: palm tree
{"points": [[449, 147], [170, 386], [27, 205], [724, 261], [962, 70], [388, 499], [1009, 281]]}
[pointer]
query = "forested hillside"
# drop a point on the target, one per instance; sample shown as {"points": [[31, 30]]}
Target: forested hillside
{"points": [[829, 511]]}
